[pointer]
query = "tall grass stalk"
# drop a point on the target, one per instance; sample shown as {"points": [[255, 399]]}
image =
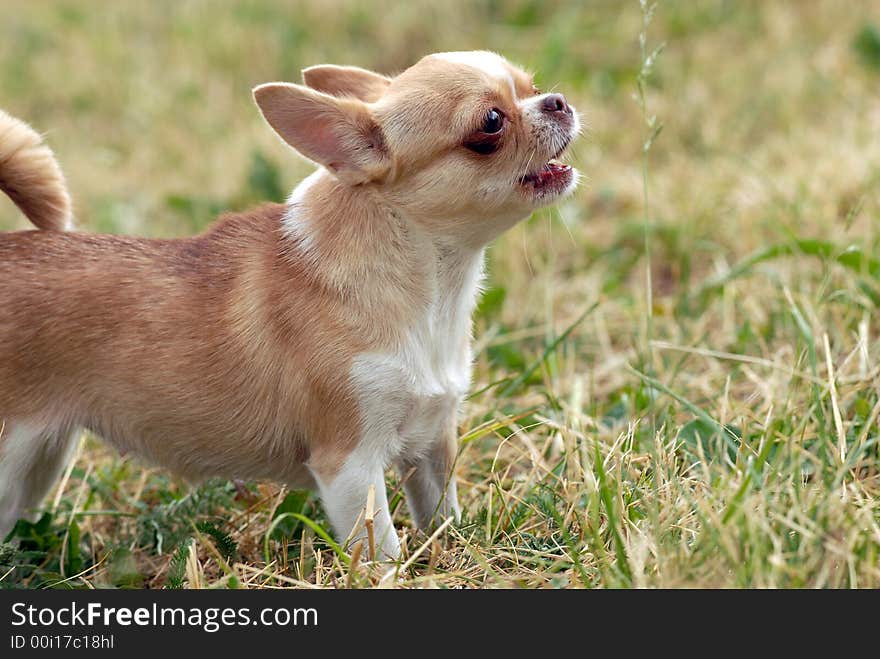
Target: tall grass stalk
{"points": [[650, 130]]}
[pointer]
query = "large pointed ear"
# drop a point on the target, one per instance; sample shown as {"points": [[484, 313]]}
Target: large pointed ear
{"points": [[339, 133], [346, 81]]}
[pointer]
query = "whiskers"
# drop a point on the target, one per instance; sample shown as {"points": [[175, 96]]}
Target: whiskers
{"points": [[528, 169]]}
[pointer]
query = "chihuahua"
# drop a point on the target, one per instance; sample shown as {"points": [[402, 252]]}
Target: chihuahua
{"points": [[314, 343]]}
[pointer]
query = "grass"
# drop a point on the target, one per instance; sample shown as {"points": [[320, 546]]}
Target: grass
{"points": [[731, 443]]}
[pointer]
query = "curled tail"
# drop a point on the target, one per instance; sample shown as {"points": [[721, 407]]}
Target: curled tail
{"points": [[31, 177]]}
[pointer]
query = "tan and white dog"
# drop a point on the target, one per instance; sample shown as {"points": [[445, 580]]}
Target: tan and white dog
{"points": [[315, 342]]}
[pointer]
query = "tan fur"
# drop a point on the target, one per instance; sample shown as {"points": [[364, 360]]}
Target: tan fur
{"points": [[231, 353], [31, 177], [346, 81]]}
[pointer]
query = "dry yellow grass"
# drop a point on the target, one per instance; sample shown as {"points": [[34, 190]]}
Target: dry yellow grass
{"points": [[730, 442]]}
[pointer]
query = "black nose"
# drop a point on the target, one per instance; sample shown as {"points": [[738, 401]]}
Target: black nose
{"points": [[555, 103]]}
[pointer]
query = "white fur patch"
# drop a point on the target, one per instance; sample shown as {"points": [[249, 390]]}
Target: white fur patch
{"points": [[31, 458], [16, 455], [295, 223], [489, 63], [345, 499], [407, 394]]}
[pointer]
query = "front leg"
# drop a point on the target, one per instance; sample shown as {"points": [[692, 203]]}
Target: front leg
{"points": [[344, 490], [430, 489]]}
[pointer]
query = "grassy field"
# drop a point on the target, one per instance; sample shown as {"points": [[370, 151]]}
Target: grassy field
{"points": [[677, 369]]}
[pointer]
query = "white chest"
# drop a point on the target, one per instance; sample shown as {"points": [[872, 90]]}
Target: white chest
{"points": [[409, 395]]}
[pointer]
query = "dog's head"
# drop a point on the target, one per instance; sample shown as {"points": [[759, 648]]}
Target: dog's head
{"points": [[462, 143]]}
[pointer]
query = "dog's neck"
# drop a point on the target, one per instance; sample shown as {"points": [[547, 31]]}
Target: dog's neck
{"points": [[356, 246]]}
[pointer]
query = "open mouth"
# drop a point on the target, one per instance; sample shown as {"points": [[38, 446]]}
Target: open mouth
{"points": [[552, 170], [552, 177]]}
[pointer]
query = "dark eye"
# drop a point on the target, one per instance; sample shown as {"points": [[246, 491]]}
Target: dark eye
{"points": [[493, 122], [487, 139]]}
